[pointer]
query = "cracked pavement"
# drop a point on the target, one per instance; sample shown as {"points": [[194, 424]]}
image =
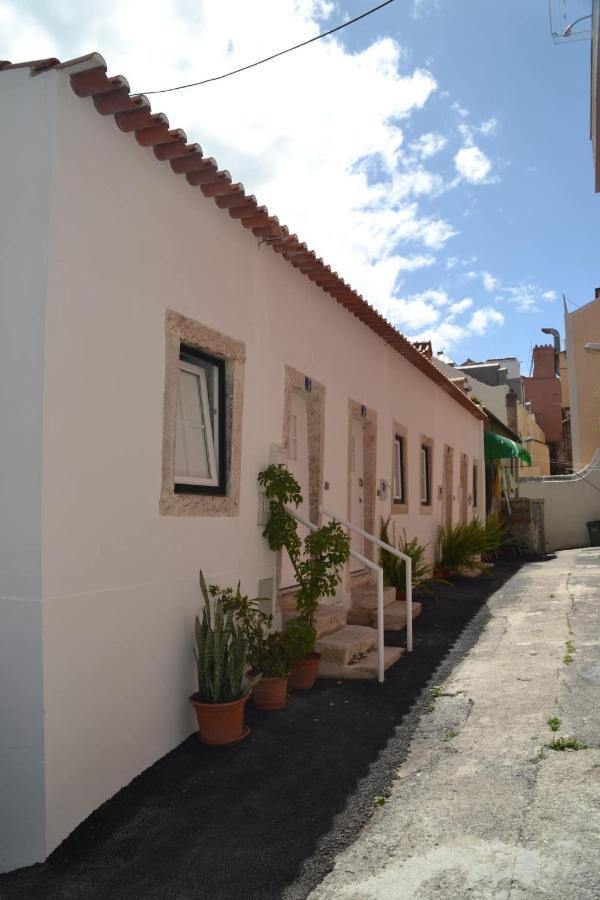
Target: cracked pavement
{"points": [[479, 809]]}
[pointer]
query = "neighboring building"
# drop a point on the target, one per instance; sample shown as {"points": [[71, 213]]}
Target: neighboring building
{"points": [[503, 403], [504, 370], [582, 326], [161, 332], [543, 391]]}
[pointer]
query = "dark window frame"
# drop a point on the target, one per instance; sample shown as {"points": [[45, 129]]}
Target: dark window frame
{"points": [[193, 356], [401, 498]]}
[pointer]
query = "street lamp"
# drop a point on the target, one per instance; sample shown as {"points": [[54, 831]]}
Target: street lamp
{"points": [[592, 347]]}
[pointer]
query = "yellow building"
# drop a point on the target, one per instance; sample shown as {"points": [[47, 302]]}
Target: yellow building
{"points": [[582, 328]]}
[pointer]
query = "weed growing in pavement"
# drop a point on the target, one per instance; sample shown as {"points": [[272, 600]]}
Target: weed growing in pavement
{"points": [[552, 596], [450, 735], [554, 723], [542, 753], [568, 657], [565, 743], [430, 707], [569, 628], [380, 800]]}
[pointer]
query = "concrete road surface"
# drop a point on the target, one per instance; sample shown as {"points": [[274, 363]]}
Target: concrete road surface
{"points": [[481, 808]]}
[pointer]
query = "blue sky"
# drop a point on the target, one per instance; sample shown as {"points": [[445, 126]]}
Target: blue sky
{"points": [[437, 154]]}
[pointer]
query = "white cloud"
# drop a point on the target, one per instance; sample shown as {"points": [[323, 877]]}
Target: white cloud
{"points": [[472, 165], [523, 296], [461, 306], [443, 336], [489, 282], [550, 295], [428, 144], [482, 319], [459, 110], [489, 127]]}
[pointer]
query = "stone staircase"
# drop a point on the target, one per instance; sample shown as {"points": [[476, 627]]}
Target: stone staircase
{"points": [[347, 639]]}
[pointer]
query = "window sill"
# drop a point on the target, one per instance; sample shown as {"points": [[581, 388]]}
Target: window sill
{"points": [[399, 509]]}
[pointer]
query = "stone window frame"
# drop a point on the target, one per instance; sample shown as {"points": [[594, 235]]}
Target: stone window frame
{"points": [[425, 440], [402, 432], [368, 417], [181, 330]]}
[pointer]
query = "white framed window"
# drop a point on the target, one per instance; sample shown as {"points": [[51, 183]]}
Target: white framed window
{"points": [[198, 423], [398, 476], [425, 475]]}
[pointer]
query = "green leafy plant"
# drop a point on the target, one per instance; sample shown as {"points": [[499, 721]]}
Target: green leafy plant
{"points": [[220, 650], [570, 650], [566, 743], [380, 800], [553, 723], [394, 568], [462, 546], [317, 560], [496, 538], [299, 635], [450, 735], [267, 650]]}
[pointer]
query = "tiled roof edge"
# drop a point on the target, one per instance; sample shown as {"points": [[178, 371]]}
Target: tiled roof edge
{"points": [[132, 113]]}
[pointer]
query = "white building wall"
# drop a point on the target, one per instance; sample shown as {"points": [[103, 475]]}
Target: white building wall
{"points": [[570, 501], [128, 240], [25, 182]]}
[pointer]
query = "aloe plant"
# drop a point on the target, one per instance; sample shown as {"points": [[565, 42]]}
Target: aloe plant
{"points": [[220, 650], [394, 569]]}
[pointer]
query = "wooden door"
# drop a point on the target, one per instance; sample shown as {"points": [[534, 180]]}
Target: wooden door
{"points": [[357, 489], [448, 486], [297, 463]]}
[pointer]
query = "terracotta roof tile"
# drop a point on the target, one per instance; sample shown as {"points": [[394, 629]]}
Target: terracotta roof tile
{"points": [[132, 113]]}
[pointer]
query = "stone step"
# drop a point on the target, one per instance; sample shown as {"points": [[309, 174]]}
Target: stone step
{"points": [[329, 619], [346, 644], [366, 597], [394, 615], [363, 669]]}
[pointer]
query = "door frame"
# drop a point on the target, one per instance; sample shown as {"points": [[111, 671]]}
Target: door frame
{"points": [[368, 418]]}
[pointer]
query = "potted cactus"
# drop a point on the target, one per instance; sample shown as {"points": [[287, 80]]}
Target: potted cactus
{"points": [[220, 656]]}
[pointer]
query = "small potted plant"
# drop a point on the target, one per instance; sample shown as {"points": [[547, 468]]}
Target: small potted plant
{"points": [[220, 656], [301, 636], [267, 650], [317, 563]]}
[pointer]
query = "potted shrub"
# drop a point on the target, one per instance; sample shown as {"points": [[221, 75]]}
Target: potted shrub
{"points": [[220, 655], [462, 546], [266, 650], [317, 562], [394, 568]]}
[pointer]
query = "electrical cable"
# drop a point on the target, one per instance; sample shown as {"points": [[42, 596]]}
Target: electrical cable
{"points": [[181, 87]]}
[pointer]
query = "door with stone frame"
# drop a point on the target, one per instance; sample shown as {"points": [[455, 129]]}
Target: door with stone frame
{"points": [[464, 487], [357, 489], [448, 486], [298, 464]]}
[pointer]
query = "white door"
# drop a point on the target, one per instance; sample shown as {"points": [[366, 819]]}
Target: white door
{"points": [[357, 490], [297, 463]]}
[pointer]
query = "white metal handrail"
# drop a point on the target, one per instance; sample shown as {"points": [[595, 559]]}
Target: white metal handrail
{"points": [[379, 575], [400, 555]]}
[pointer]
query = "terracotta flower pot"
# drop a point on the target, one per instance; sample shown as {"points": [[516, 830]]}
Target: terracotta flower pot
{"points": [[270, 693], [220, 724], [304, 672]]}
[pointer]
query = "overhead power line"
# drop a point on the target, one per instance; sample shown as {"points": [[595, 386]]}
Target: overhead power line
{"points": [[259, 62]]}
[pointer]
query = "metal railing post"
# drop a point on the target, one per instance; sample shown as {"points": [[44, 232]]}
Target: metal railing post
{"points": [[379, 575], [395, 552]]}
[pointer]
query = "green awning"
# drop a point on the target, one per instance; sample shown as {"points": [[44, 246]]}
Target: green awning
{"points": [[498, 447]]}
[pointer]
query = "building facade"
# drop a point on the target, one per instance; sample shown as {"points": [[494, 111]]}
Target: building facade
{"points": [[162, 334]]}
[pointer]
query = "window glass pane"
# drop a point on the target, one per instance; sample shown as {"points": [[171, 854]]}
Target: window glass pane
{"points": [[424, 475], [193, 455], [398, 477]]}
